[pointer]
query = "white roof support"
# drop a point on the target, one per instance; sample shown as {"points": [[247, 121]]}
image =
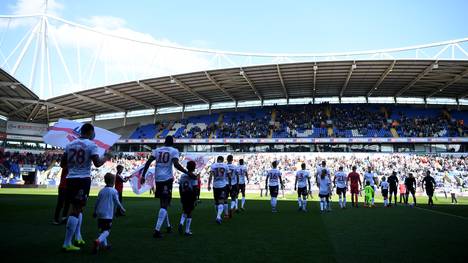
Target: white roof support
{"points": [[285, 91], [450, 83], [382, 78], [159, 93], [315, 81], [243, 74], [348, 77], [219, 86], [418, 77], [190, 90], [130, 98], [98, 102]]}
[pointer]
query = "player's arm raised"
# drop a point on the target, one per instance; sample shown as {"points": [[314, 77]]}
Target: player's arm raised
{"points": [[145, 169]]}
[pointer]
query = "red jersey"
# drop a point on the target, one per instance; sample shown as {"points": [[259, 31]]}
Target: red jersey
{"points": [[119, 181], [63, 178], [354, 178]]}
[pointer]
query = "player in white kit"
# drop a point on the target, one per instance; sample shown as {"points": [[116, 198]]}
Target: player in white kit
{"points": [[318, 173], [233, 184], [324, 186], [369, 176], [341, 183], [243, 177], [302, 184], [77, 158], [219, 177], [166, 157], [272, 182]]}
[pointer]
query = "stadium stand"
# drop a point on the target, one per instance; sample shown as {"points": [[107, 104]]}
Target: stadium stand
{"points": [[314, 121]]}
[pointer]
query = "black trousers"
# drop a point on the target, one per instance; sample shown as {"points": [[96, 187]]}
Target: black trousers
{"points": [[62, 202]]}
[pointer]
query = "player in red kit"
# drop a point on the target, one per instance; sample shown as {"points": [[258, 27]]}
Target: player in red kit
{"points": [[119, 182], [356, 185]]}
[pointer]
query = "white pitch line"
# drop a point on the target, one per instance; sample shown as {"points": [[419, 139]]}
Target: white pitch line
{"points": [[441, 213]]}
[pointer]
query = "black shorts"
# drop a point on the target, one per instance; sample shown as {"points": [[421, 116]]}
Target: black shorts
{"points": [[164, 190], [323, 196], [340, 190], [220, 194], [188, 199], [242, 189], [78, 190], [234, 191], [410, 190], [430, 191], [104, 224], [393, 190], [274, 191], [385, 193], [302, 191]]}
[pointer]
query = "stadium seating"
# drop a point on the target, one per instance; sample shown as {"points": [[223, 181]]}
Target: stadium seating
{"points": [[314, 121]]}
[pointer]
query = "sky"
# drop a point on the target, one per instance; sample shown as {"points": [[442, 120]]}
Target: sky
{"points": [[262, 26]]}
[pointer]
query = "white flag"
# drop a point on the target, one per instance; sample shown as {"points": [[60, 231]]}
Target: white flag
{"points": [[65, 131], [137, 187]]}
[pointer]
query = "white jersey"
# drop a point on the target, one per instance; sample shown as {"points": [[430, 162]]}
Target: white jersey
{"points": [[164, 156], [274, 175], [220, 175], [232, 172], [340, 179], [302, 177], [319, 171], [369, 177], [324, 185], [79, 154], [106, 203], [384, 185], [242, 171]]}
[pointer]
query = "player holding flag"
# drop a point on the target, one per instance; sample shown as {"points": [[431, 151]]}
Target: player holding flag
{"points": [[77, 158]]}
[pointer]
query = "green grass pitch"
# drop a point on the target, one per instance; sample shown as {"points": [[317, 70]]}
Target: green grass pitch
{"points": [[397, 234]]}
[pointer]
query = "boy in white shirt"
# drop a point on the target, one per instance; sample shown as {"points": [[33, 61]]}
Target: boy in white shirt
{"points": [[106, 203]]}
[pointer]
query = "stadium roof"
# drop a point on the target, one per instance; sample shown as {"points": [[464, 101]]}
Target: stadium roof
{"points": [[359, 78]]}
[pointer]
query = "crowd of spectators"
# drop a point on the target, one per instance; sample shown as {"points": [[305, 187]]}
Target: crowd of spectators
{"points": [[342, 120]]}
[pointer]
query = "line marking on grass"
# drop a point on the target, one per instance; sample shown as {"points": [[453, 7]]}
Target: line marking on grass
{"points": [[441, 213]]}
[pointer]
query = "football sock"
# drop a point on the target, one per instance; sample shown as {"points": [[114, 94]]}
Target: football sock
{"points": [[78, 228], [103, 236], [70, 230], [273, 201], [187, 226], [339, 201], [237, 203], [372, 200], [182, 218], [226, 212], [299, 202], [220, 211], [233, 204], [167, 220], [161, 217], [322, 203], [304, 204], [344, 201], [243, 202]]}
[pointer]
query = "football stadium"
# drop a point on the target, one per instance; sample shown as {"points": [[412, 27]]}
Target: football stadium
{"points": [[119, 144]]}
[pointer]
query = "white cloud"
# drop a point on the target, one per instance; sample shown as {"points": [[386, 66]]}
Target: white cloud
{"points": [[25, 7]]}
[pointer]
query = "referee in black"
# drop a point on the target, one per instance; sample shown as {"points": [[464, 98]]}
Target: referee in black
{"points": [[393, 183], [429, 183]]}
